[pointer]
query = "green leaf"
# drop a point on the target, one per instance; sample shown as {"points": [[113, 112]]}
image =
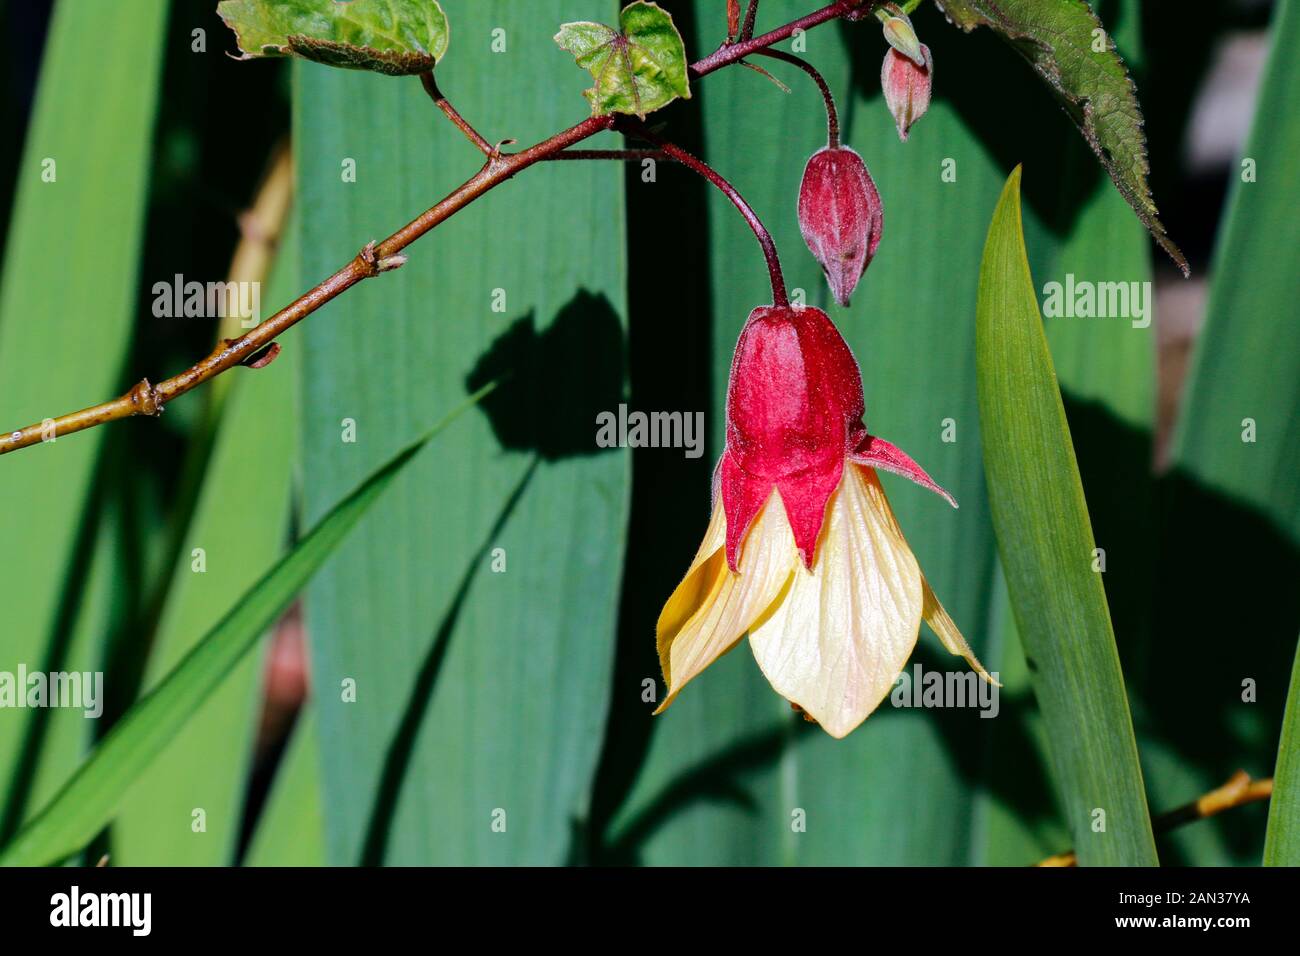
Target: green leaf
{"points": [[206, 765], [476, 609], [1239, 371], [93, 794], [67, 313], [1106, 369], [1282, 842], [1047, 548], [1231, 509], [1059, 39], [638, 68], [393, 37]]}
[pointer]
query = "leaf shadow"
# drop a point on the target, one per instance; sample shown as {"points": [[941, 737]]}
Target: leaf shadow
{"points": [[397, 759], [553, 383], [714, 779], [539, 407], [670, 329]]}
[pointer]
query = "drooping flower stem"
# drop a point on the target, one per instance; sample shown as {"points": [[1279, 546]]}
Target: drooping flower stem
{"points": [[832, 116], [694, 163]]}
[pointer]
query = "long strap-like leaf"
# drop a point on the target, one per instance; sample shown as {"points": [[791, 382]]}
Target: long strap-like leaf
{"points": [[1046, 544]]}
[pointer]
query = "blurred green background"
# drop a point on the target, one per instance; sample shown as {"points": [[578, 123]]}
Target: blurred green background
{"points": [[463, 682]]}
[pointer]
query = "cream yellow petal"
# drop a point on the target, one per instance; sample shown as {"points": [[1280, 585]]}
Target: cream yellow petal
{"points": [[696, 586], [949, 636], [713, 608], [839, 639]]}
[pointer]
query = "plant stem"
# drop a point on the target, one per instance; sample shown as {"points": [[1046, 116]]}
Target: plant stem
{"points": [[616, 154], [674, 151], [376, 258], [832, 117], [1237, 792], [747, 31], [729, 53], [431, 87]]}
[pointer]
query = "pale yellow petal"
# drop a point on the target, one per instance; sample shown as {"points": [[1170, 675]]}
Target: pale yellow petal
{"points": [[837, 642], [713, 608], [696, 586], [949, 635]]}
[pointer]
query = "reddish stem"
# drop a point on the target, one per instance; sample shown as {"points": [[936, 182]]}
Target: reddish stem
{"points": [[698, 165], [431, 87], [832, 117], [615, 154], [747, 31], [729, 53]]}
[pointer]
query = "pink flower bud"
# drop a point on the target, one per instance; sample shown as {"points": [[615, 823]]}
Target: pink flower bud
{"points": [[906, 87], [840, 217]]}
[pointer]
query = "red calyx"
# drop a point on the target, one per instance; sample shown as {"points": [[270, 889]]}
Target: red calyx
{"points": [[794, 412], [794, 416]]}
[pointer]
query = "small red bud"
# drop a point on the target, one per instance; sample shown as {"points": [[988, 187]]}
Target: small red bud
{"points": [[840, 217], [906, 87]]}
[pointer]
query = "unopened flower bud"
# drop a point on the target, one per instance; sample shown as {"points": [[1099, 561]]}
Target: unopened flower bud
{"points": [[840, 217], [906, 87], [902, 37]]}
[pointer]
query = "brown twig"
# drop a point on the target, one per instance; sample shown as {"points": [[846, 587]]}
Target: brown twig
{"points": [[378, 257], [1237, 792]]}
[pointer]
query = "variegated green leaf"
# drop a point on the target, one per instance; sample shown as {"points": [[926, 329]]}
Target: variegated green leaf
{"points": [[638, 68]]}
